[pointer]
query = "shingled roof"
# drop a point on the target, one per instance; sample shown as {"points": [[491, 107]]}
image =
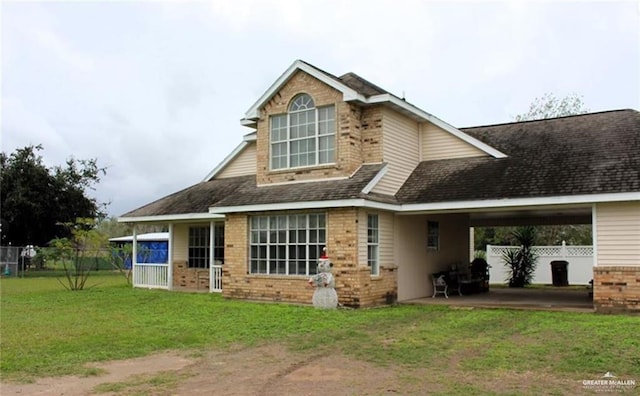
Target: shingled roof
{"points": [[195, 199], [361, 85], [353, 81], [242, 191], [585, 154], [596, 153]]}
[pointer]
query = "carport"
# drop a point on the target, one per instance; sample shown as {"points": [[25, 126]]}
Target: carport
{"points": [[416, 264]]}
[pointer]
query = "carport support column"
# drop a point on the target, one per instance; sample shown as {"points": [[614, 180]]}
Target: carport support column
{"points": [[616, 271], [170, 258]]}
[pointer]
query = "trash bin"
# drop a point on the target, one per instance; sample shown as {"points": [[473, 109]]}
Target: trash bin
{"points": [[559, 273]]}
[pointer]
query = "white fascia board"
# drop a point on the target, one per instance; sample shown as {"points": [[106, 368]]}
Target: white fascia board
{"points": [[433, 207], [376, 179], [521, 202], [357, 202], [250, 137], [227, 160], [436, 121], [254, 111], [172, 217]]}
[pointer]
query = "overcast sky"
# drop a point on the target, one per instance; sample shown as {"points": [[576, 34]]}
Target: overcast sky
{"points": [[155, 90]]}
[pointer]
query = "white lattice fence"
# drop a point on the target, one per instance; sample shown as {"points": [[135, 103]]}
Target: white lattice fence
{"points": [[580, 259]]}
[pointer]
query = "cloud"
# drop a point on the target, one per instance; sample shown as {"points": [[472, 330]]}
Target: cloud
{"points": [[155, 90]]}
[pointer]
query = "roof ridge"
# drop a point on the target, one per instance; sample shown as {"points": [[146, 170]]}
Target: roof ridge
{"points": [[547, 119]]}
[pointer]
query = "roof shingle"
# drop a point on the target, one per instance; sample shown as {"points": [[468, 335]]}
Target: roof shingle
{"points": [[583, 154]]}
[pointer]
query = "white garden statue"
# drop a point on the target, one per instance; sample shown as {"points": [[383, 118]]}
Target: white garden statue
{"points": [[324, 295]]}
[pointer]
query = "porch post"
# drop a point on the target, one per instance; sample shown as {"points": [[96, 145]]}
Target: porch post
{"points": [[134, 254], [170, 258], [212, 231]]}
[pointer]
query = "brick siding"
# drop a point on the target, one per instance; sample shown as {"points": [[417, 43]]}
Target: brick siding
{"points": [[616, 289], [354, 284], [349, 139]]}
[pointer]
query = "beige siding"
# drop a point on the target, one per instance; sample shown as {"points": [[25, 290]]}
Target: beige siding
{"points": [[242, 165], [618, 234], [386, 235], [400, 150], [440, 144], [416, 263], [180, 242]]}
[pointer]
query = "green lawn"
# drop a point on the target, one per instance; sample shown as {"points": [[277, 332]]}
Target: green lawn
{"points": [[46, 330]]}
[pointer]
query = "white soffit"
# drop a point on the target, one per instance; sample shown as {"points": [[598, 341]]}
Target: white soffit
{"points": [[442, 207], [170, 217]]}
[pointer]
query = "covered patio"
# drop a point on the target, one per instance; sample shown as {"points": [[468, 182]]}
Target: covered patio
{"points": [[546, 299]]}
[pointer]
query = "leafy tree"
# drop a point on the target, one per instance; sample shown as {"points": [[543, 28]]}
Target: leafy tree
{"points": [[79, 254], [112, 228], [35, 199], [549, 106]]}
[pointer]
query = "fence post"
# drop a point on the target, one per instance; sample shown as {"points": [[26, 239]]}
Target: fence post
{"points": [[563, 250]]}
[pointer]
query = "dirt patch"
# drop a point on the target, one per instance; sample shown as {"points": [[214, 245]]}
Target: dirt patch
{"points": [[276, 370], [114, 371]]}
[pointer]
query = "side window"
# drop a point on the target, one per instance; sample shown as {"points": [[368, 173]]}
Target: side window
{"points": [[373, 244]]}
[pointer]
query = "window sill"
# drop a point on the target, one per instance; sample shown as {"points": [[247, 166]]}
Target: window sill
{"points": [[302, 168], [279, 276]]}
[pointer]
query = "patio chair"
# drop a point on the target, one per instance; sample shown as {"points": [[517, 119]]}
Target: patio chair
{"points": [[439, 285]]}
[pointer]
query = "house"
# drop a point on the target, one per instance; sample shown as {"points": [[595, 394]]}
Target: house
{"points": [[392, 192]]}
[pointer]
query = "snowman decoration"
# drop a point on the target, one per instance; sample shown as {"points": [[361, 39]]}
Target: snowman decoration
{"points": [[324, 295]]}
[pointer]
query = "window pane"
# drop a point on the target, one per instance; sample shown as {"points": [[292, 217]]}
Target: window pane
{"points": [[277, 255], [198, 248], [301, 102]]}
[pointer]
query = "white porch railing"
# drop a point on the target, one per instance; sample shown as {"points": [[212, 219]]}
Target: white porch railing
{"points": [[580, 259], [215, 278], [151, 276]]}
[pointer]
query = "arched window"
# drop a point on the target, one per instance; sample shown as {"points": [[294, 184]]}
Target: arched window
{"points": [[305, 136]]}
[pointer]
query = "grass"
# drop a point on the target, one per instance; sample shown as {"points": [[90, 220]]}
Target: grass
{"points": [[50, 331]]}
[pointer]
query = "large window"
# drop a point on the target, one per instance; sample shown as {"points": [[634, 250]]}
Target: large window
{"points": [[305, 136], [287, 245], [373, 244], [200, 242]]}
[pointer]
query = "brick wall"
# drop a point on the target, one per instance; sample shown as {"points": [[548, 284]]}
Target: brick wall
{"points": [[616, 289], [348, 154], [354, 284], [191, 278], [372, 134]]}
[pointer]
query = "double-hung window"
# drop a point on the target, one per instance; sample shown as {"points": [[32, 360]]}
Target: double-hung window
{"points": [[373, 244], [286, 244], [305, 136]]}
